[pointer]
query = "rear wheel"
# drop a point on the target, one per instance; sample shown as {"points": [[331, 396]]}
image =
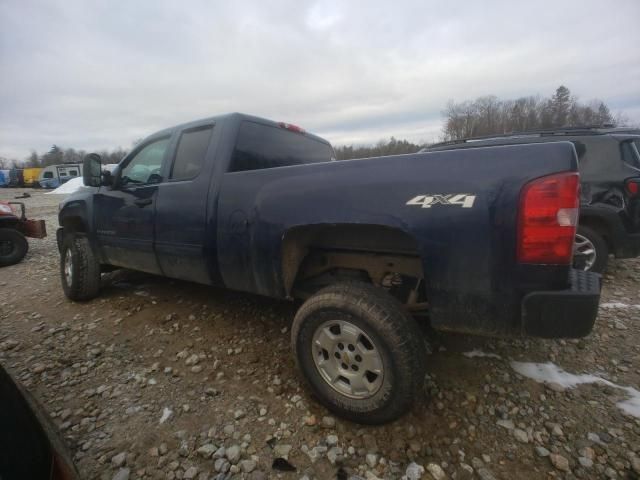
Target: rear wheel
{"points": [[360, 352], [590, 250], [79, 269], [13, 246]]}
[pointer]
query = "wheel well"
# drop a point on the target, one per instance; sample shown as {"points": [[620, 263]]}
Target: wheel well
{"points": [[319, 255], [599, 225], [73, 224]]}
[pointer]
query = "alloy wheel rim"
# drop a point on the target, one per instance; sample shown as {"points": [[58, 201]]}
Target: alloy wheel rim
{"points": [[585, 251], [68, 268], [347, 359]]}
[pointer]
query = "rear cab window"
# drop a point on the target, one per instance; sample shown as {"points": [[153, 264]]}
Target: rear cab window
{"points": [[191, 152], [262, 146]]}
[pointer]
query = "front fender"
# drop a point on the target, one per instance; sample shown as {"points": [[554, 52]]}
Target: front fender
{"points": [[76, 214]]}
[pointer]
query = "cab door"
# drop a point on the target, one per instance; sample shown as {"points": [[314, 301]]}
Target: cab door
{"points": [[181, 210], [125, 213]]}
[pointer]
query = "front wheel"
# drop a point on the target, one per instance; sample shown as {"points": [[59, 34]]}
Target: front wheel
{"points": [[13, 246], [360, 352], [79, 269]]}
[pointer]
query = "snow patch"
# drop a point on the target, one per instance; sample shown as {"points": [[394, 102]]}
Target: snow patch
{"points": [[166, 414], [77, 183], [479, 353], [550, 373], [67, 188], [632, 404], [619, 305]]}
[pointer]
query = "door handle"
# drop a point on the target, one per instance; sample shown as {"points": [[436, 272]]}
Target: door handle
{"points": [[142, 202]]}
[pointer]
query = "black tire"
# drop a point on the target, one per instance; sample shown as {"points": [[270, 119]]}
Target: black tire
{"points": [[597, 243], [84, 281], [13, 246], [394, 335]]}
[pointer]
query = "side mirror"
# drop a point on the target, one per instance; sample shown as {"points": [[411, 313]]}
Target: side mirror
{"points": [[92, 170]]}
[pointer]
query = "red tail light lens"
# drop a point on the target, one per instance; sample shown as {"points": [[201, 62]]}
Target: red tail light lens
{"points": [[633, 186], [548, 218]]}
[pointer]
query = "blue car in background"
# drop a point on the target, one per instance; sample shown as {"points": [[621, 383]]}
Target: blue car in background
{"points": [[4, 178]]}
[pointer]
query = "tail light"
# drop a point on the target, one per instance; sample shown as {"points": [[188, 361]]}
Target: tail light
{"points": [[548, 218], [633, 186]]}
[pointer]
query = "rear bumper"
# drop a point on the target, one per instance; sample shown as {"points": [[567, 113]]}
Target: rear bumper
{"points": [[569, 313]]}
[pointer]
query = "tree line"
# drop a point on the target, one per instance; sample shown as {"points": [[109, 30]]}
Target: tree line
{"points": [[383, 147], [487, 115], [57, 155], [490, 115]]}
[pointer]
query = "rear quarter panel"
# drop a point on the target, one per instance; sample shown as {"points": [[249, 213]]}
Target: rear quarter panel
{"points": [[468, 254]]}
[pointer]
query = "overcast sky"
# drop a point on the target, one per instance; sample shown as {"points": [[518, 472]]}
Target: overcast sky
{"points": [[101, 74]]}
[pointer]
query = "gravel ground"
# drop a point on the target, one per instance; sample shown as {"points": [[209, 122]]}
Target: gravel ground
{"points": [[165, 379]]}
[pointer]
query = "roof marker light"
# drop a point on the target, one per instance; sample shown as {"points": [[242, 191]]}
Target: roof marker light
{"points": [[291, 127]]}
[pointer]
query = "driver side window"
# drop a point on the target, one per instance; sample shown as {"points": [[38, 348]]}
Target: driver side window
{"points": [[145, 166]]}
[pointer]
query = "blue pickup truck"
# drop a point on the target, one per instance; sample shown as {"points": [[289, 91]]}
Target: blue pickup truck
{"points": [[476, 241]]}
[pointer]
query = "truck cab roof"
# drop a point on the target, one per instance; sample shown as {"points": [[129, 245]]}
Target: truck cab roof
{"points": [[234, 117]]}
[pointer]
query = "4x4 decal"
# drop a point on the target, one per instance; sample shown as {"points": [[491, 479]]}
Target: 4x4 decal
{"points": [[464, 200]]}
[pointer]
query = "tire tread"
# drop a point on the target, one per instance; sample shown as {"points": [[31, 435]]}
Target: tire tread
{"points": [[399, 331], [86, 273], [20, 242]]}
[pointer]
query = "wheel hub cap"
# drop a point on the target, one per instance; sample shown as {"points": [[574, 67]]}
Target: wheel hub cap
{"points": [[584, 252], [347, 359]]}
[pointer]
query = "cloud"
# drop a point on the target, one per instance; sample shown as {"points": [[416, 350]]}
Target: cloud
{"points": [[103, 74]]}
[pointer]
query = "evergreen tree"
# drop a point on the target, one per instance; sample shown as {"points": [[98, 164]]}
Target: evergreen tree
{"points": [[53, 157], [604, 115], [560, 106]]}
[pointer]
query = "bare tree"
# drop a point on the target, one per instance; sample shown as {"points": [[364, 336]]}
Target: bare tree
{"points": [[489, 115], [392, 146]]}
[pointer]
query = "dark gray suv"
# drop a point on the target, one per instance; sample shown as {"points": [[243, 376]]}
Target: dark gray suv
{"points": [[610, 187]]}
